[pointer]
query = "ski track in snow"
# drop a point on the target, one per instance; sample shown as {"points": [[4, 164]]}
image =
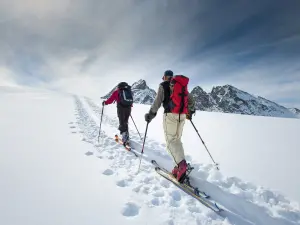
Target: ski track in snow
{"points": [[244, 203]]}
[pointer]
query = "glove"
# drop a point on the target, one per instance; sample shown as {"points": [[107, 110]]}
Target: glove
{"points": [[190, 115], [149, 116]]}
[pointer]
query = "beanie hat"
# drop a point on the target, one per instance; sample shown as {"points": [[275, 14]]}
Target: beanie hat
{"points": [[168, 73]]}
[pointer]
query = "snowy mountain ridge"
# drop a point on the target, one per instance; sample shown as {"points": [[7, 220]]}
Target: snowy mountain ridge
{"points": [[229, 99], [226, 99]]}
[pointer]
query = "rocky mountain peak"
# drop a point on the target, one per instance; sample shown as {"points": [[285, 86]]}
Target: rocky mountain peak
{"points": [[141, 84], [202, 99], [197, 90], [225, 90]]}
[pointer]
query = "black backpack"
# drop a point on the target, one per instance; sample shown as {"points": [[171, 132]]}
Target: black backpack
{"points": [[125, 94]]}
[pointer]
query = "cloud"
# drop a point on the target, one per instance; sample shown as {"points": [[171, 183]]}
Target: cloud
{"points": [[61, 44], [7, 77]]}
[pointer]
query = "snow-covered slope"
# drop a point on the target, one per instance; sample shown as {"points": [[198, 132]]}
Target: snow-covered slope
{"points": [[54, 171], [141, 92]]}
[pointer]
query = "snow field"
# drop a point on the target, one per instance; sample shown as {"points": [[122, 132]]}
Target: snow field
{"points": [[44, 177], [146, 186], [208, 173], [56, 172]]}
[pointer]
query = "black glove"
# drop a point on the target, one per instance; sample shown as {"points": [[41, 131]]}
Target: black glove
{"points": [[149, 116], [190, 115], [103, 103]]}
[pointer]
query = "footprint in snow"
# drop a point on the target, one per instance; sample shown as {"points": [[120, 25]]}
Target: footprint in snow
{"points": [[85, 140], [165, 183], [176, 195], [155, 202], [111, 157], [173, 203], [108, 172], [156, 188], [170, 222], [70, 122], [145, 190], [88, 153], [194, 209], [130, 209], [137, 188], [124, 182], [72, 127], [148, 179], [159, 193], [175, 200]]}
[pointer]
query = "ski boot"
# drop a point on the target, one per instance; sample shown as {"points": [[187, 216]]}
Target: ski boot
{"points": [[182, 171], [125, 138]]}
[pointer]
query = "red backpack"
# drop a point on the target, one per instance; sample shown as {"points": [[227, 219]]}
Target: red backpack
{"points": [[179, 95]]}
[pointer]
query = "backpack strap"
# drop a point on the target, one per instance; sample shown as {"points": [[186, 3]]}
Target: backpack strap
{"points": [[167, 94]]}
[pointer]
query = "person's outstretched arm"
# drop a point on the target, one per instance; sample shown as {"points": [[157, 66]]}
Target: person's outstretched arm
{"points": [[113, 98]]}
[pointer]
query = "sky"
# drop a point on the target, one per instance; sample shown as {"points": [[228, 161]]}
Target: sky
{"points": [[88, 46]]}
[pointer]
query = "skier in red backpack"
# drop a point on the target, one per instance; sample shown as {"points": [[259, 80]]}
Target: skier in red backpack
{"points": [[178, 105], [123, 96]]}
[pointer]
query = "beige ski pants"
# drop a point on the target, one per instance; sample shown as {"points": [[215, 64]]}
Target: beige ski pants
{"points": [[173, 132]]}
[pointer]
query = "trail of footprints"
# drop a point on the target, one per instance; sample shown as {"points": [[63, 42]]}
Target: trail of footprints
{"points": [[158, 191], [151, 144], [72, 127]]}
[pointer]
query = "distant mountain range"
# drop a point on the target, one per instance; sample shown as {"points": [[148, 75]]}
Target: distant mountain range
{"points": [[226, 99]]}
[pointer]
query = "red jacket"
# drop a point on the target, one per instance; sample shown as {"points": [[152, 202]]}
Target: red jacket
{"points": [[113, 98]]}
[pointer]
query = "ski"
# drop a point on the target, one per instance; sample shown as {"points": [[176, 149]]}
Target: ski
{"points": [[126, 146], [202, 197], [186, 183]]}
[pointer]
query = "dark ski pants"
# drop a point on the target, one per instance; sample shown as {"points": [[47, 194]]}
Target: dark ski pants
{"points": [[123, 114]]}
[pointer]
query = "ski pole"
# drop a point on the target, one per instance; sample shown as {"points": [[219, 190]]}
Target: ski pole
{"points": [[136, 127], [142, 152], [216, 164], [100, 122]]}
